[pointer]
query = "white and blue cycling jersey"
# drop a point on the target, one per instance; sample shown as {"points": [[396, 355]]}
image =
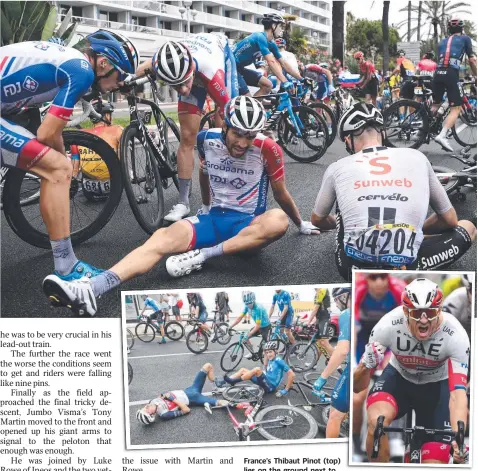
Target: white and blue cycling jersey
{"points": [[152, 304], [283, 299], [35, 72], [248, 50]]}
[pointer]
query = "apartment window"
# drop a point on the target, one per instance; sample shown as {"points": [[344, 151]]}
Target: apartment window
{"points": [[76, 11], [258, 20], [227, 13], [210, 30], [138, 20], [113, 16], [166, 25], [209, 9], [243, 17], [228, 34]]}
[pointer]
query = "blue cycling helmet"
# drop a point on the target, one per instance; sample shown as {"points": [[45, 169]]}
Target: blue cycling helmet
{"points": [[248, 297], [342, 290], [119, 50], [281, 42]]}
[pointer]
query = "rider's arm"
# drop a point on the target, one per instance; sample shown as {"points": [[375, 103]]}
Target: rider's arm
{"points": [[147, 64], [283, 197], [338, 356], [367, 77], [217, 90], [471, 55], [49, 133], [326, 197], [184, 408], [362, 376], [283, 314], [275, 67], [290, 379], [257, 326], [458, 407], [203, 173], [313, 315], [288, 68], [330, 78]]}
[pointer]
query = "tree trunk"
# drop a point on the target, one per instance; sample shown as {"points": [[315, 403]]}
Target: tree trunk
{"points": [[419, 20], [385, 32], [435, 22], [443, 20], [409, 21], [338, 18]]}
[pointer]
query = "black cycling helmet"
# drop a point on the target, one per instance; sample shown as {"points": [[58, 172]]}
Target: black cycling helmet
{"points": [[430, 55], [401, 52], [102, 107], [359, 117], [455, 25], [270, 18]]}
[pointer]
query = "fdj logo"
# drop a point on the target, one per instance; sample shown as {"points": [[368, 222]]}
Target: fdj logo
{"points": [[12, 89], [30, 84], [237, 183]]}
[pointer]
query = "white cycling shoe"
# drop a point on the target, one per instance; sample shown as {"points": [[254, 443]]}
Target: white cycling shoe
{"points": [[443, 141], [76, 295], [185, 263], [178, 211]]}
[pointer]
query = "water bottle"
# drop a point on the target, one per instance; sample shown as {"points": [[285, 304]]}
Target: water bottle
{"points": [[444, 106]]}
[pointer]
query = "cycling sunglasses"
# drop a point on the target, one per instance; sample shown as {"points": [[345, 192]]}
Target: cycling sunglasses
{"points": [[248, 134], [431, 313], [382, 276]]}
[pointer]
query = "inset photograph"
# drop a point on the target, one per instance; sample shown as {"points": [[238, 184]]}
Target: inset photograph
{"points": [[412, 339], [218, 366]]}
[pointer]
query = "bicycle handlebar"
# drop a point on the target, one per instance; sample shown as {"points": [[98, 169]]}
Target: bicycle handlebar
{"points": [[88, 111]]}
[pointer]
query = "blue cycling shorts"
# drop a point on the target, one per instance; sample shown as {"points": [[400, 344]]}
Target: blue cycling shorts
{"points": [[263, 383], [341, 393], [247, 77]]}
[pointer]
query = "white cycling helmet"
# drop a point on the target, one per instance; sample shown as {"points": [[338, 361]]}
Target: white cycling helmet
{"points": [[422, 294], [466, 282], [144, 417], [246, 114], [173, 63]]}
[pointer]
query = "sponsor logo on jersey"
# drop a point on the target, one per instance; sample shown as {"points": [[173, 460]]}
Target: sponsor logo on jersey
{"points": [[395, 260], [11, 140], [382, 182], [84, 65], [12, 89], [43, 46], [238, 183], [439, 258], [228, 168], [392, 197], [30, 84]]}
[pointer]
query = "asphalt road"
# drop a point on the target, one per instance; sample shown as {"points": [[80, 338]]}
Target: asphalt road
{"points": [[295, 259], [161, 368]]}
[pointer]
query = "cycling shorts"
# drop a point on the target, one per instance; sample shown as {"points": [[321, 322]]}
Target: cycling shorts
{"points": [[194, 392], [247, 77], [157, 316], [430, 401], [407, 89], [176, 311], [322, 322], [446, 80], [194, 102], [217, 226], [20, 148], [287, 320], [263, 382], [371, 88], [341, 392], [321, 92], [264, 332], [202, 317]]}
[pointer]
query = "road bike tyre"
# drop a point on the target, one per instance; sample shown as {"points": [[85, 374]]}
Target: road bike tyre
{"points": [[299, 359], [207, 121], [323, 418], [309, 430], [145, 332], [449, 183], [283, 128], [130, 373], [233, 354], [172, 149], [394, 109], [191, 341], [331, 331], [174, 330], [12, 199], [129, 339], [128, 136], [325, 109], [468, 119], [222, 333], [243, 392]]}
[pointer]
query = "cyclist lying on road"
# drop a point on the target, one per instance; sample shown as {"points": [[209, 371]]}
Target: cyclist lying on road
{"points": [[173, 404], [270, 379]]}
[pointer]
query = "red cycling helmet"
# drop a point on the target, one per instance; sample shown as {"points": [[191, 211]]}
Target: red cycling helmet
{"points": [[359, 55]]}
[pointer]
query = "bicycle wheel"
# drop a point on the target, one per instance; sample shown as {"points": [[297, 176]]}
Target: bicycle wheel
{"points": [[447, 177], [406, 124], [323, 418], [90, 208], [464, 130], [302, 356], [232, 356], [172, 138], [288, 423], [326, 112], [243, 392], [129, 339], [142, 180], [222, 333], [145, 332], [312, 144], [207, 121], [130, 373], [174, 330], [197, 341]]}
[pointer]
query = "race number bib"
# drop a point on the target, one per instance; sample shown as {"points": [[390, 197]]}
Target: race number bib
{"points": [[383, 244], [97, 187]]}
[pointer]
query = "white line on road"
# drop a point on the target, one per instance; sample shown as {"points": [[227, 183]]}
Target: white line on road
{"points": [[174, 355]]}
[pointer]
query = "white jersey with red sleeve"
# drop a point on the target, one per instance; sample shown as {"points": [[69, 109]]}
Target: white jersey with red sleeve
{"points": [[444, 355], [241, 183]]}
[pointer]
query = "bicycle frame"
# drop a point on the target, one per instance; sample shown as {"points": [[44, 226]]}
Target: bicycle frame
{"points": [[308, 403], [285, 104]]}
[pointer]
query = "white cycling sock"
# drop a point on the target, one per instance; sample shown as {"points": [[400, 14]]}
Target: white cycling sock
{"points": [[443, 132], [184, 185], [215, 251], [63, 256], [104, 282]]}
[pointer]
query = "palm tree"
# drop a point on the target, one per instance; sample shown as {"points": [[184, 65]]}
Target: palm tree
{"points": [[385, 32], [409, 20], [434, 13], [338, 35], [419, 20]]}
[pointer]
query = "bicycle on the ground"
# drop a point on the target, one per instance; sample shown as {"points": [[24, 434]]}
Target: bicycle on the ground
{"points": [[146, 330], [415, 437], [129, 339], [197, 340], [279, 422], [148, 158]]}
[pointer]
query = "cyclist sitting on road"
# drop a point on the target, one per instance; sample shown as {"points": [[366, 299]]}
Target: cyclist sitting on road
{"points": [[322, 77], [341, 353], [451, 51], [262, 325], [62, 75], [195, 67], [241, 162], [268, 379], [262, 44], [427, 371], [368, 83], [157, 317], [286, 312], [382, 205], [173, 404], [321, 315], [198, 310]]}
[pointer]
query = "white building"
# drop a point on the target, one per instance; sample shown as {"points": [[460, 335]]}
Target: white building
{"points": [[147, 23]]}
